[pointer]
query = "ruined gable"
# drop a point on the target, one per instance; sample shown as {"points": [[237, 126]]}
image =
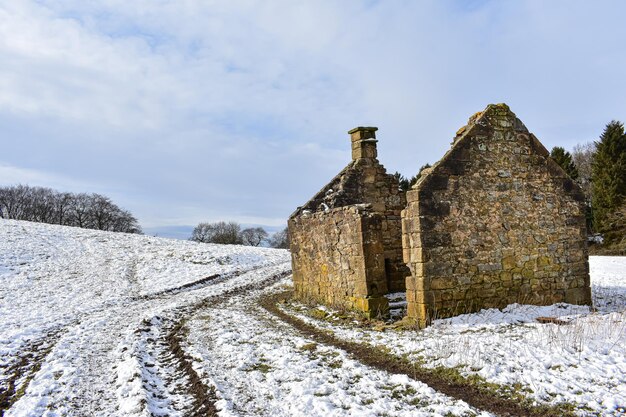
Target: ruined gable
{"points": [[363, 181], [345, 241], [495, 221]]}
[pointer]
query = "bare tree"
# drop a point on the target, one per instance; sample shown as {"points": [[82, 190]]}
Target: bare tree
{"points": [[124, 221], [62, 204], [14, 202], [103, 212], [280, 239], [39, 204], [80, 211], [220, 232], [253, 236], [203, 233]]}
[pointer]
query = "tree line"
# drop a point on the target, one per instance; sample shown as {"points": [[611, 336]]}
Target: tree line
{"points": [[231, 233], [45, 205], [599, 168]]}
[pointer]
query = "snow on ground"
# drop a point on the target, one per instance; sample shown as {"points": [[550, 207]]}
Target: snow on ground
{"points": [[104, 324], [280, 373], [70, 297], [608, 275], [583, 362], [96, 323]]}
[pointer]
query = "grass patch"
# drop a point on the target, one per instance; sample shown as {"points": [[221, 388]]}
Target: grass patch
{"points": [[309, 347], [261, 367]]}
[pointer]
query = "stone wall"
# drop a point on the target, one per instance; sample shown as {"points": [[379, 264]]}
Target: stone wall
{"points": [[364, 182], [496, 221], [338, 258]]}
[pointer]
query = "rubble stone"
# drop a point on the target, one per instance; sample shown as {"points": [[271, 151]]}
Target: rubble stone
{"points": [[496, 221], [504, 214], [346, 241]]}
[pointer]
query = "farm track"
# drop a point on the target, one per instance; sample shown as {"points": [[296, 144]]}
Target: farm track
{"points": [[23, 367], [195, 285], [167, 374], [251, 357], [180, 389], [374, 357], [166, 349], [204, 396], [93, 355], [210, 280]]}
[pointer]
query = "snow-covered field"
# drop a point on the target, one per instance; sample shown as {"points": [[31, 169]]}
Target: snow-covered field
{"points": [[73, 305], [101, 324], [582, 362]]}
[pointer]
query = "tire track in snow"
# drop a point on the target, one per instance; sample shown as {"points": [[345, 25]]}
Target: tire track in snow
{"points": [[85, 281], [21, 368], [373, 356], [163, 380], [77, 375], [263, 366], [198, 284], [170, 384]]}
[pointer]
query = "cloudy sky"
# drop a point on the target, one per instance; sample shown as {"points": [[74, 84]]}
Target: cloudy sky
{"points": [[187, 111]]}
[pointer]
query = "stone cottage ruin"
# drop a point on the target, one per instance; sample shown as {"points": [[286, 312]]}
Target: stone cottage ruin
{"points": [[495, 221], [346, 241]]}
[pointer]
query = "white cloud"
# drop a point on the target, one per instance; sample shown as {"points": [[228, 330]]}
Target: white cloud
{"points": [[239, 109], [12, 175]]}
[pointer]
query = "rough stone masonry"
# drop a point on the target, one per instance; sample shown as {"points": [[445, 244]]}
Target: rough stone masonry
{"points": [[346, 243], [495, 221]]}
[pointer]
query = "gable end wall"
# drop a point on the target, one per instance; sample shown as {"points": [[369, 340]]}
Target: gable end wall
{"points": [[495, 222]]}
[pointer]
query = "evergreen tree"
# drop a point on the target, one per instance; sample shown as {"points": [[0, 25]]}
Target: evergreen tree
{"points": [[406, 183], [564, 159], [403, 183], [616, 229], [609, 175]]}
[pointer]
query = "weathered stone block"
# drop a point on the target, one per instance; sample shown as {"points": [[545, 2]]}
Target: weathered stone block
{"points": [[442, 283], [578, 296], [372, 307], [509, 263]]}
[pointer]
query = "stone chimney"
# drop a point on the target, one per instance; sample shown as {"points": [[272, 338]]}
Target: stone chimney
{"points": [[363, 142]]}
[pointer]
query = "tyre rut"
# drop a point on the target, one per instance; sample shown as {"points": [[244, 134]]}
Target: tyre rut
{"points": [[203, 395], [25, 365], [374, 357]]}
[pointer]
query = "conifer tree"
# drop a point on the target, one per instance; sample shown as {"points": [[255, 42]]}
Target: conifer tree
{"points": [[406, 183], [564, 159], [609, 175]]}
